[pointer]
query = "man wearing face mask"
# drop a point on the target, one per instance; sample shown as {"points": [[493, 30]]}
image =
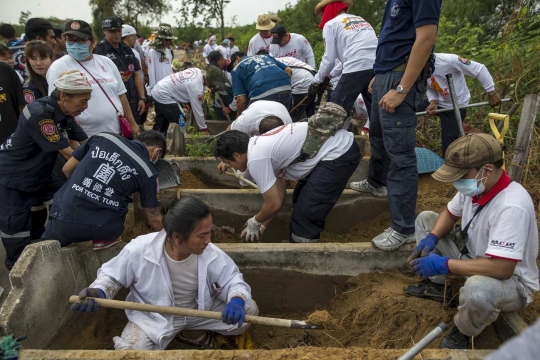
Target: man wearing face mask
{"points": [[495, 247], [103, 175]]}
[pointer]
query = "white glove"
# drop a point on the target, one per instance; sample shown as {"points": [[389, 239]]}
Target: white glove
{"points": [[252, 231]]}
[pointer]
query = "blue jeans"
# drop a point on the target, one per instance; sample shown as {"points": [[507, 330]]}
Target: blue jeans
{"points": [[393, 159], [284, 97], [350, 86]]}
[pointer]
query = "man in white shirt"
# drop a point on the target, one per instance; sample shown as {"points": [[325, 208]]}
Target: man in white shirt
{"points": [[495, 247], [234, 48], [251, 118], [182, 87], [272, 158], [263, 39], [353, 41], [108, 100], [224, 49], [160, 55], [286, 44], [439, 93], [209, 47]]}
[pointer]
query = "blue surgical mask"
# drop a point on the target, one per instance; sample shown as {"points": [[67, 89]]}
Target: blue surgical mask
{"points": [[471, 187], [77, 51]]}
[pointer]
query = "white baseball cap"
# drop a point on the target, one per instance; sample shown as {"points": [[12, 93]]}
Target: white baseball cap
{"points": [[128, 30]]}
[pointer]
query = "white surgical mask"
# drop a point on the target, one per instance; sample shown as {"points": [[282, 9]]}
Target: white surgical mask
{"points": [[471, 187], [156, 154]]}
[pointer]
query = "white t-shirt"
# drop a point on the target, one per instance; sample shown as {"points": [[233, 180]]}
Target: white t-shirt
{"points": [[183, 87], [505, 228], [459, 67], [207, 50], [100, 116], [298, 47], [234, 49], [270, 154], [258, 43], [158, 70], [301, 79], [352, 40], [225, 51], [251, 118], [184, 280]]}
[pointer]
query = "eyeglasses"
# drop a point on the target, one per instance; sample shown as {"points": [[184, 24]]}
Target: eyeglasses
{"points": [[72, 40]]}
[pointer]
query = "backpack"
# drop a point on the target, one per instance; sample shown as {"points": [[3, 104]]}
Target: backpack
{"points": [[324, 124]]}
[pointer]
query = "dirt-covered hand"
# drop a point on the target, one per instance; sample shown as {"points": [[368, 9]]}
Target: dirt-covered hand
{"points": [[88, 303]]}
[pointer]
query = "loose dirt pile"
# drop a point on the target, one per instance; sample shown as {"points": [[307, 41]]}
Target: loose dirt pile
{"points": [[190, 181]]}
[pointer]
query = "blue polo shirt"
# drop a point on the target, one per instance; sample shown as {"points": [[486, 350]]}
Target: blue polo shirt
{"points": [[259, 76], [99, 190], [398, 30], [27, 157]]}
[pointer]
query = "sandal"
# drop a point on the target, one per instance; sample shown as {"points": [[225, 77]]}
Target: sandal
{"points": [[206, 341]]}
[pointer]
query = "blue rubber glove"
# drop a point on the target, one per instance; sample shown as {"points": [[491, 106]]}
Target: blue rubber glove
{"points": [[431, 265], [89, 305], [233, 313], [425, 247]]}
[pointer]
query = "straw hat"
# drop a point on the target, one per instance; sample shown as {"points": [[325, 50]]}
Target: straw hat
{"points": [[264, 22], [320, 6], [274, 18]]}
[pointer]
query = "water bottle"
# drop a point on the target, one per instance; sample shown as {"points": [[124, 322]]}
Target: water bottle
{"points": [[182, 123]]}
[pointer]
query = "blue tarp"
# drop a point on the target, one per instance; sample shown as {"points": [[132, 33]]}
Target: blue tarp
{"points": [[427, 160]]}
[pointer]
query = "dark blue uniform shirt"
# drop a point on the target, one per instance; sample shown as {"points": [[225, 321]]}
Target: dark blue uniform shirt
{"points": [[99, 190], [31, 92], [125, 60], [27, 157], [17, 47], [398, 30]]}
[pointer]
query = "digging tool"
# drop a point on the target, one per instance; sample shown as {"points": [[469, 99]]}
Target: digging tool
{"points": [[125, 305], [453, 96], [222, 106], [299, 104], [422, 344], [215, 136], [241, 178], [483, 103]]}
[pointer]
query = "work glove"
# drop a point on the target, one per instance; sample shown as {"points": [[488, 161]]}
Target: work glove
{"points": [[9, 347], [425, 247], [253, 230], [324, 84], [313, 88], [431, 265], [233, 312], [89, 305]]}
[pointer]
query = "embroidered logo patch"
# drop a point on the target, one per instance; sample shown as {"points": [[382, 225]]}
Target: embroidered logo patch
{"points": [[29, 96], [75, 26], [395, 10], [49, 129], [464, 61], [455, 157]]}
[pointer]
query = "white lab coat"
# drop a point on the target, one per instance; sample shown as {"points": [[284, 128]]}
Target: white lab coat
{"points": [[141, 267]]}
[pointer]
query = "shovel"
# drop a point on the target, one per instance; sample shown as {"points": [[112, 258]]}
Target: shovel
{"points": [[167, 174], [177, 311]]}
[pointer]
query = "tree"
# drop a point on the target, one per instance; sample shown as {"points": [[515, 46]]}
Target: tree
{"points": [[209, 10], [23, 18]]}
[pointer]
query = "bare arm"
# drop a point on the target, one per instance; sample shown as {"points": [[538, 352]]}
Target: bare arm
{"points": [[273, 201], [499, 269], [70, 166], [288, 70], [155, 220], [129, 115], [66, 153], [139, 86], [241, 104]]}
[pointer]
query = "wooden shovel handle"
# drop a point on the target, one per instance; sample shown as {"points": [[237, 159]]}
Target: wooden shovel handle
{"points": [[177, 311]]}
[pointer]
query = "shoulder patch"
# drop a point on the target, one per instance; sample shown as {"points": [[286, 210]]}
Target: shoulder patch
{"points": [[49, 129], [464, 61], [29, 96]]}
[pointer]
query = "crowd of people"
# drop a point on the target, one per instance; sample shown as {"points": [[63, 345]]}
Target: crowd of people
{"points": [[72, 116]]}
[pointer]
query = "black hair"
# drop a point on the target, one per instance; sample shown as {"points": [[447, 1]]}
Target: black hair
{"points": [[153, 138], [238, 54], [262, 52], [231, 38], [42, 49], [187, 65], [269, 123], [58, 32], [37, 27], [182, 215], [7, 31], [231, 142], [4, 50]]}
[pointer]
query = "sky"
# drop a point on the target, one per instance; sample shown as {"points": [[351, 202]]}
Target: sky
{"points": [[245, 10]]}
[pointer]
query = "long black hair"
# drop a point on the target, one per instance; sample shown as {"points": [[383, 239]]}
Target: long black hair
{"points": [[182, 215]]}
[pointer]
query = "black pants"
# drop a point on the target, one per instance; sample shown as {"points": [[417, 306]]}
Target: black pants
{"points": [[17, 223], [134, 110], [350, 86], [315, 195], [165, 114], [450, 128], [227, 100], [67, 233], [283, 97], [301, 111]]}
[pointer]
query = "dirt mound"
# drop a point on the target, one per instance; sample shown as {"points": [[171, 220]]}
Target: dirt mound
{"points": [[190, 181]]}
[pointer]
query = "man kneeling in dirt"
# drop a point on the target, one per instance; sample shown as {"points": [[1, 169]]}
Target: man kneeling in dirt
{"points": [[291, 152], [495, 247]]}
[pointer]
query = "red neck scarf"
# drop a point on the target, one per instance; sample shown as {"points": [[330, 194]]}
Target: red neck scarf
{"points": [[330, 11]]}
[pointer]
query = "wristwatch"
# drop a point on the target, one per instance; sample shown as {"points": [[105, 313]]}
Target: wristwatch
{"points": [[144, 99], [401, 90]]}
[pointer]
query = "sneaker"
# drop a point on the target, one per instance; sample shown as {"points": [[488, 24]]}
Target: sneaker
{"points": [[430, 290], [391, 240], [454, 339], [364, 187], [105, 244]]}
